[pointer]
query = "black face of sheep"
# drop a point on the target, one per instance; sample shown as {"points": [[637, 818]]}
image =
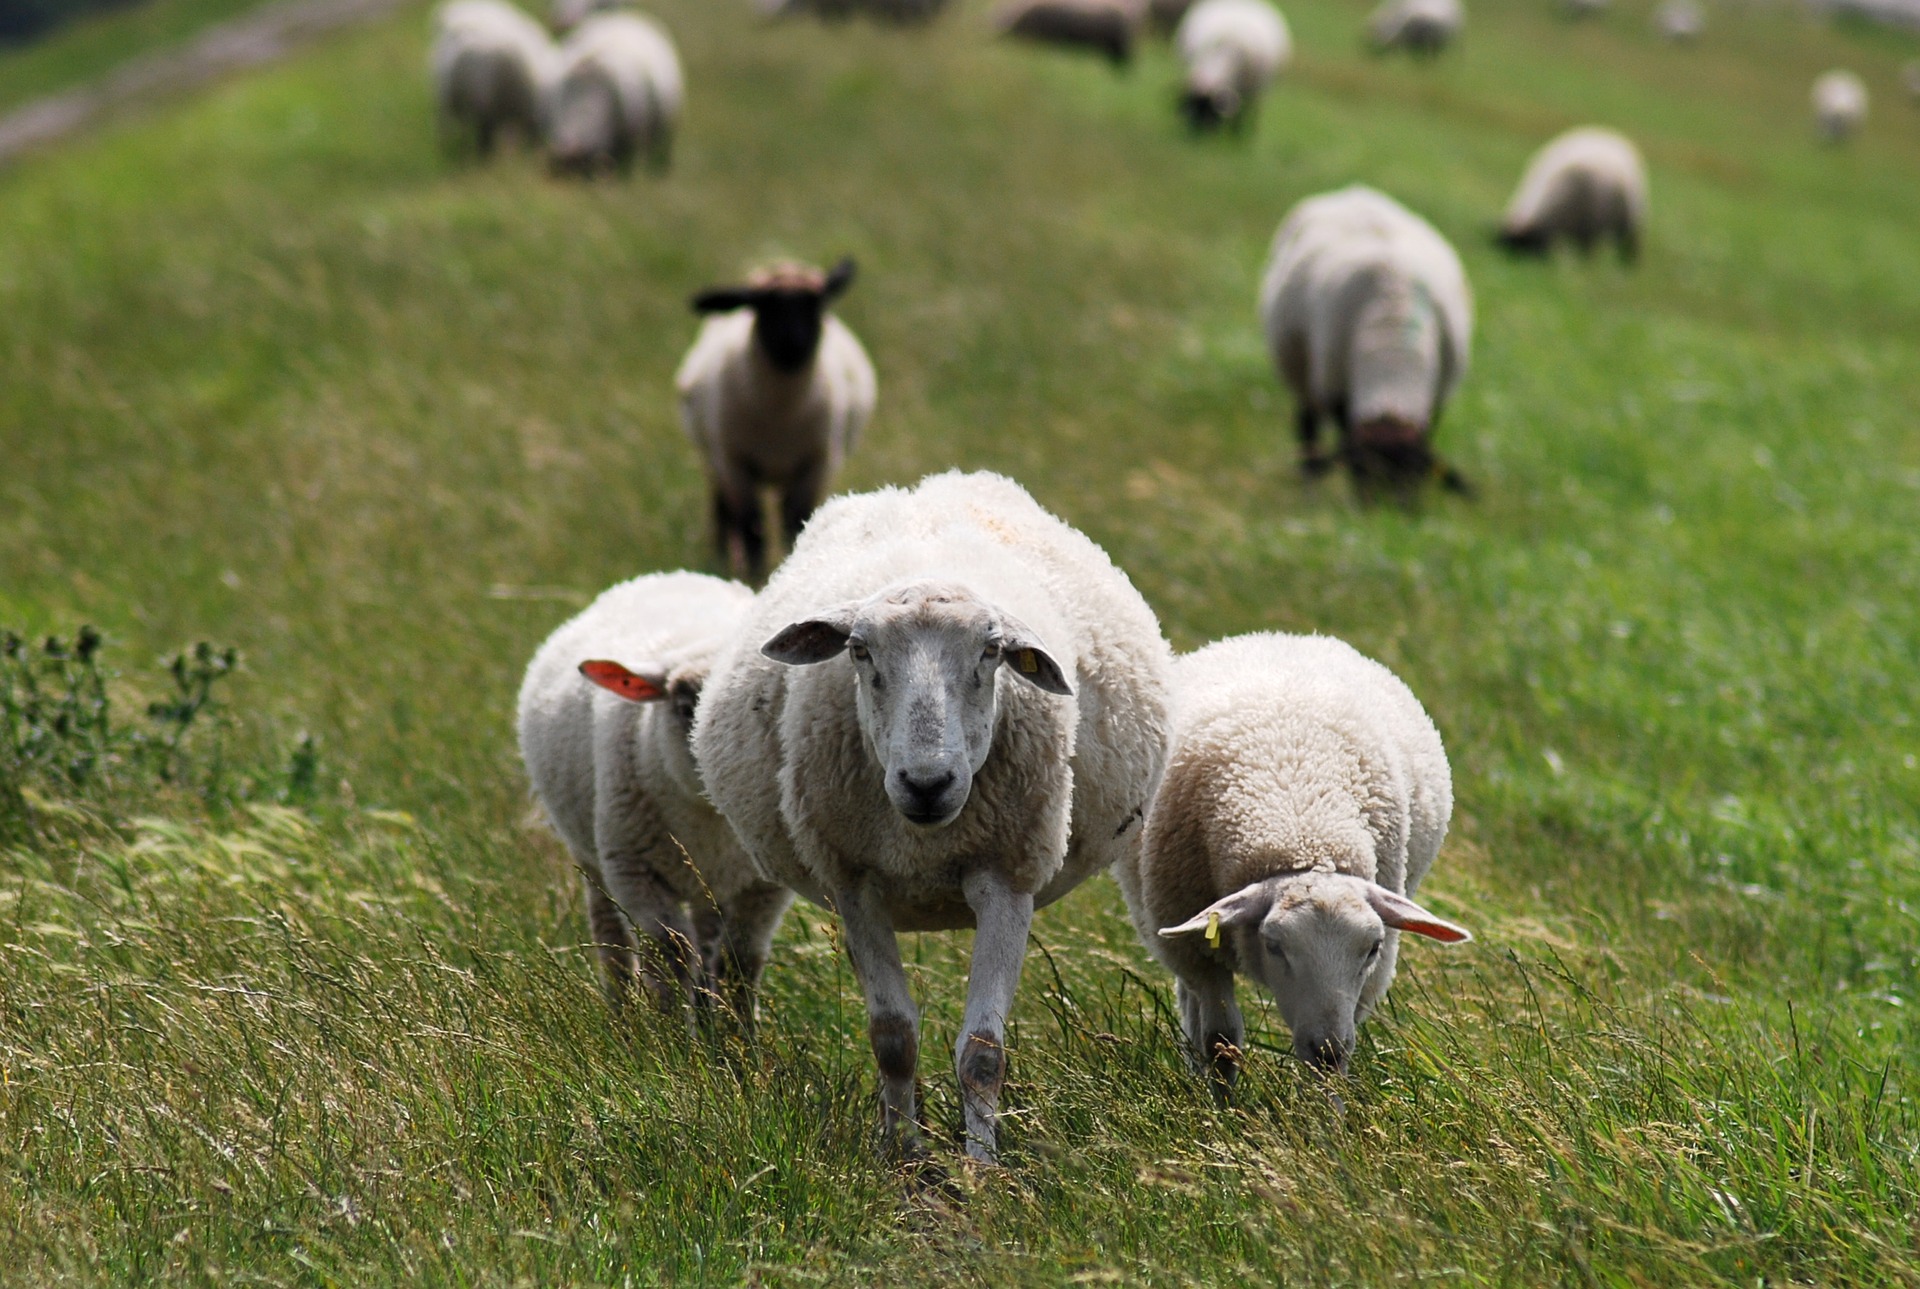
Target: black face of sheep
{"points": [[1389, 457], [1521, 241], [789, 307], [1206, 111]]}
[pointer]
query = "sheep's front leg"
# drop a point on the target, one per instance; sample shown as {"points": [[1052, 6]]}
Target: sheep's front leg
{"points": [[1002, 917], [893, 1022], [1214, 1029]]}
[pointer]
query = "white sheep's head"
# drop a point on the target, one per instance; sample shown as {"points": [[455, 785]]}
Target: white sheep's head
{"points": [[925, 656], [1316, 940]]}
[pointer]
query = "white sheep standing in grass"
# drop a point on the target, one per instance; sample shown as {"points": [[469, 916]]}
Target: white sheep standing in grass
{"points": [[774, 393], [1839, 105], [1233, 50], [1585, 185], [605, 714], [493, 70], [619, 95], [1108, 26], [1369, 320], [1306, 795], [947, 709], [1421, 27]]}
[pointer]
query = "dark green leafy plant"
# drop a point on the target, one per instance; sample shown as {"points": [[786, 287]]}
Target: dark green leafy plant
{"points": [[57, 732]]}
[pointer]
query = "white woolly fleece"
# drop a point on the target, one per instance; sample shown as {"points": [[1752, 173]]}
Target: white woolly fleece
{"points": [[637, 57], [1066, 782], [1585, 183], [617, 778], [490, 56], [1364, 302], [1233, 44], [1290, 754]]}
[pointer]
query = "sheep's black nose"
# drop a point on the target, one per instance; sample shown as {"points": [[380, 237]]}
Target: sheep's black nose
{"points": [[926, 789]]}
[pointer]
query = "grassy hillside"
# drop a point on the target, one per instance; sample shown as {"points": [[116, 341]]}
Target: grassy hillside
{"points": [[273, 372]]}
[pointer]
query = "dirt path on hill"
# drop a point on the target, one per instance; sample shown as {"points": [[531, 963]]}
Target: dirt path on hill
{"points": [[260, 37]]}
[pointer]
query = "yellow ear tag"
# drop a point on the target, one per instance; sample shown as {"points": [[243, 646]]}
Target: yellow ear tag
{"points": [[1213, 930], [1029, 663]]}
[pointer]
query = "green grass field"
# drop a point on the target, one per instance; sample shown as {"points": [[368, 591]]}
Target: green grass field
{"points": [[275, 373]]}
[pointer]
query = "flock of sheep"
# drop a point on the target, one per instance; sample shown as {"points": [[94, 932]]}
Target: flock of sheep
{"points": [[946, 707]]}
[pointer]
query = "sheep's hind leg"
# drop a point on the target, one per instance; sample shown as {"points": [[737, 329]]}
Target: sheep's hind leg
{"points": [[1306, 426], [893, 1022], [1214, 1030], [740, 530], [1002, 918], [746, 926], [799, 498], [611, 940]]}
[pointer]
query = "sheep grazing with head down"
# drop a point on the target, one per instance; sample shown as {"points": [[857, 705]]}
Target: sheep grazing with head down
{"points": [[1839, 105], [1586, 185], [1107, 26], [493, 68], [947, 709], [1306, 795], [774, 393], [605, 713], [1421, 27], [1369, 320], [618, 96], [1232, 49]]}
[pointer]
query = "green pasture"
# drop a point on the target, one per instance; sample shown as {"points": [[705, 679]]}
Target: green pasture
{"points": [[274, 373]]}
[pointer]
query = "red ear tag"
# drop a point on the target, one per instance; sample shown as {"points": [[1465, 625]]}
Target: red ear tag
{"points": [[629, 685]]}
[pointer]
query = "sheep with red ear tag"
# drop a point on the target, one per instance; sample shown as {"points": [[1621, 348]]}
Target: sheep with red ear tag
{"points": [[673, 902], [1306, 795]]}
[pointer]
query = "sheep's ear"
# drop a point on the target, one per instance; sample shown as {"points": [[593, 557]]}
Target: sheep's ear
{"points": [[1021, 650], [634, 686], [813, 640], [723, 299], [1245, 907], [839, 278], [1402, 914]]}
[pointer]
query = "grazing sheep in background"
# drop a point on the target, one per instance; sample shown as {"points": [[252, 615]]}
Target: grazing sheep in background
{"points": [[1680, 21], [1109, 26], [774, 393], [1586, 184], [1165, 15], [947, 709], [1306, 795], [605, 714], [493, 67], [1421, 27], [1369, 320], [619, 94], [1839, 105], [1232, 50]]}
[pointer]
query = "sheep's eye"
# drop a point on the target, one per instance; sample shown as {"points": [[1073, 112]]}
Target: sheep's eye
{"points": [[991, 652], [1374, 952], [859, 651]]}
